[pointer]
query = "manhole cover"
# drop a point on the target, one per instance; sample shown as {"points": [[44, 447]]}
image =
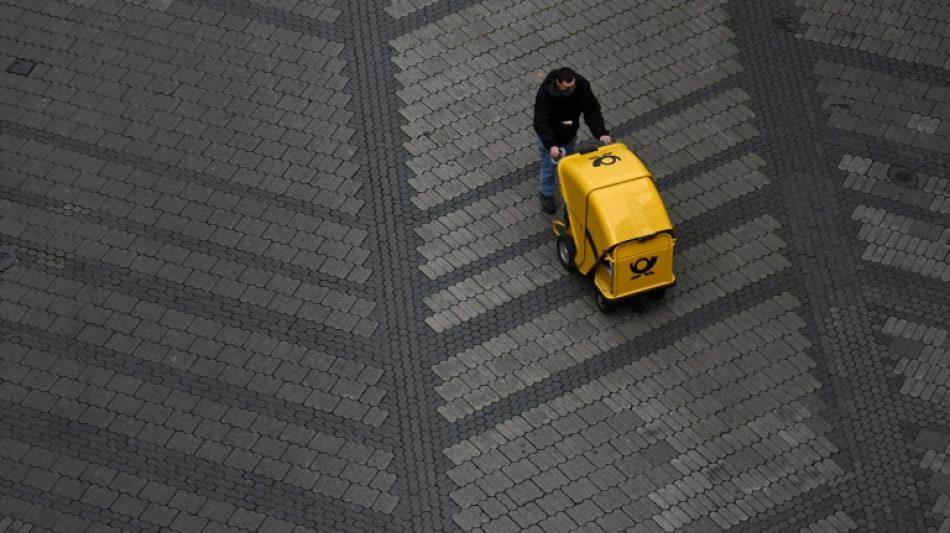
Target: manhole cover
{"points": [[23, 67], [7, 257], [785, 24], [902, 176]]}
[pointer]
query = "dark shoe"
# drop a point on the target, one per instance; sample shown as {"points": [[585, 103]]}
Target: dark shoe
{"points": [[547, 203]]}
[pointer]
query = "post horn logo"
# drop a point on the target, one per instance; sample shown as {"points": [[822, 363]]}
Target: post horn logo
{"points": [[643, 267], [606, 159]]}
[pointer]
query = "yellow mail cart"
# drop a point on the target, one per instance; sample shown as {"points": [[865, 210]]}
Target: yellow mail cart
{"points": [[615, 224]]}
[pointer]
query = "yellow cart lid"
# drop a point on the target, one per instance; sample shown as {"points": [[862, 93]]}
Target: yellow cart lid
{"points": [[618, 199]]}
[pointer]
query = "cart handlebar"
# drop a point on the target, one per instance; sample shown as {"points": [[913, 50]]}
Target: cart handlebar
{"points": [[561, 151]]}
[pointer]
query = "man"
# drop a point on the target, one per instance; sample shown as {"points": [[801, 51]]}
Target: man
{"points": [[561, 99]]}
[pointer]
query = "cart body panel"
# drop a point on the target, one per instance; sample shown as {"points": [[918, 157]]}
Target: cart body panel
{"points": [[636, 266], [617, 222], [610, 198], [619, 213]]}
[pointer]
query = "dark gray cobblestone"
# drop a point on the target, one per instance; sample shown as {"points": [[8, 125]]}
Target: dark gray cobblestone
{"points": [[141, 476], [279, 267]]}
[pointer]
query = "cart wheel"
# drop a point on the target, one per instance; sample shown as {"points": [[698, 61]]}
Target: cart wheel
{"points": [[658, 294], [566, 251], [606, 306]]}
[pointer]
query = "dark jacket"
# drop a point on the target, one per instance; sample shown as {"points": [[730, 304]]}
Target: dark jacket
{"points": [[556, 117]]}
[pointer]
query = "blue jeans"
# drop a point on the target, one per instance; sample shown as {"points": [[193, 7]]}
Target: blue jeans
{"points": [[548, 165]]}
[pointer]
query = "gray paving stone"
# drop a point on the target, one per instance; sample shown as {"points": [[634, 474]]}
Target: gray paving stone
{"points": [[283, 95]]}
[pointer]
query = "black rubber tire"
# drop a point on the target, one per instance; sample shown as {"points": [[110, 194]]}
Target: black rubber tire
{"points": [[566, 251], [606, 306]]}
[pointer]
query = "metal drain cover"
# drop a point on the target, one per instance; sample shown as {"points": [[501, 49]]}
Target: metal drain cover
{"points": [[7, 257], [902, 176]]}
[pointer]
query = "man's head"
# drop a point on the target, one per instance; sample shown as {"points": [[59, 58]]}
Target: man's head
{"points": [[566, 82]]}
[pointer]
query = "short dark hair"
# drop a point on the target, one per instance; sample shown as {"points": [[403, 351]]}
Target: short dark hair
{"points": [[565, 74]]}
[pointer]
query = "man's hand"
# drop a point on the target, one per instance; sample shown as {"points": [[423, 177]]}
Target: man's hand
{"points": [[605, 139], [555, 152]]}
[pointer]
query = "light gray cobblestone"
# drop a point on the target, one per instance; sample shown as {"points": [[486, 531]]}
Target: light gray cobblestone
{"points": [[537, 365], [896, 109], [232, 219], [870, 26], [444, 115], [890, 242], [782, 425]]}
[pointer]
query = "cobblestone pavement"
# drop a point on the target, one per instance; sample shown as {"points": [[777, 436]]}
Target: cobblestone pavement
{"points": [[279, 266]]}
